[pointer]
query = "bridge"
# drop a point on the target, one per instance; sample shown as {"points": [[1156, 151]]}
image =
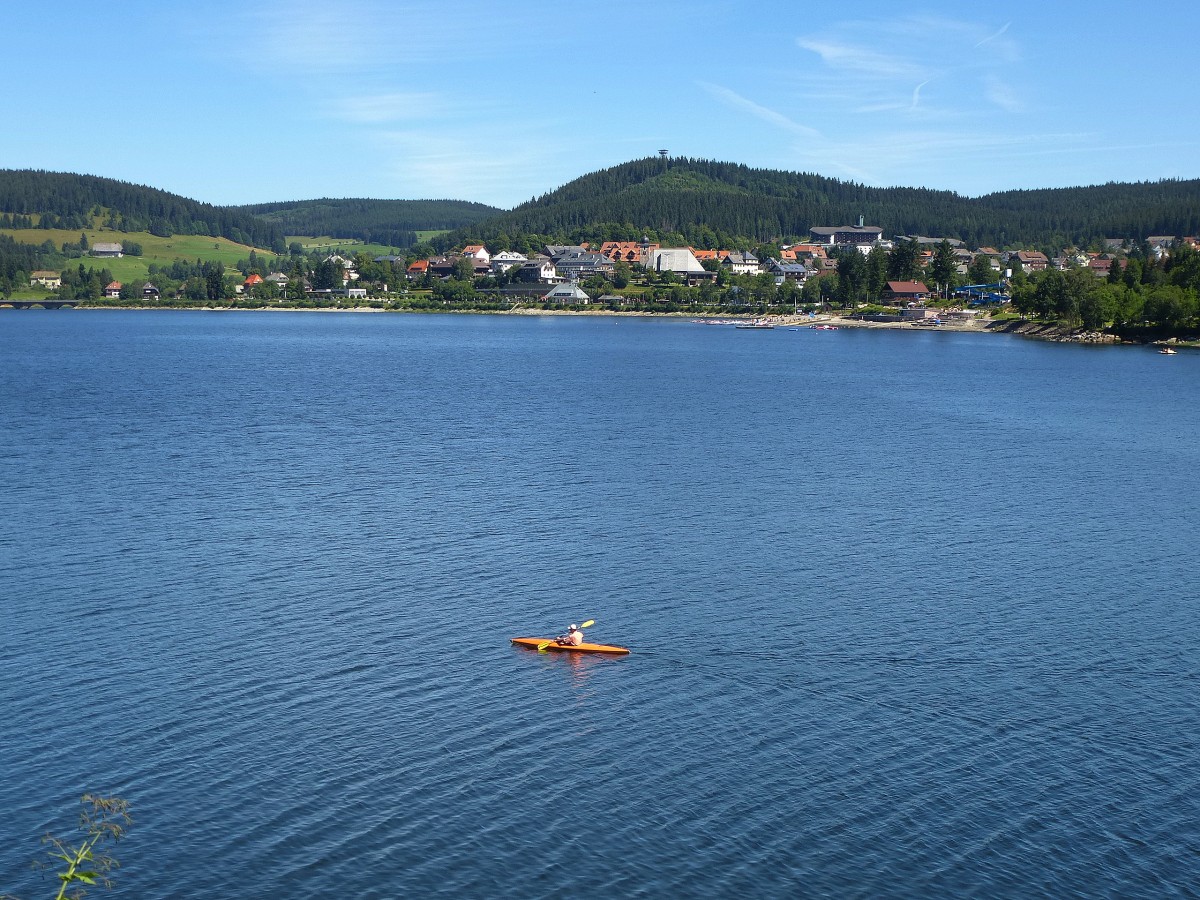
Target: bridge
{"points": [[44, 304]]}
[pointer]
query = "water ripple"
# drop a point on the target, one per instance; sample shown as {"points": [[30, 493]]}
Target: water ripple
{"points": [[881, 647]]}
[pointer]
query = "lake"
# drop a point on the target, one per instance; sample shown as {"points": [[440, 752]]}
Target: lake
{"points": [[912, 614]]}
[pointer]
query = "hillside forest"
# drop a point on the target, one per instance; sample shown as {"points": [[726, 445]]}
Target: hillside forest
{"points": [[694, 203]]}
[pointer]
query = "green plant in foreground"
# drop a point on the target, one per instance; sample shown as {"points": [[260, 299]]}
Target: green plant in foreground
{"points": [[104, 821]]}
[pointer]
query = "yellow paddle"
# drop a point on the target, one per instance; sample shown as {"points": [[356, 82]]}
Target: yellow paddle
{"points": [[544, 644]]}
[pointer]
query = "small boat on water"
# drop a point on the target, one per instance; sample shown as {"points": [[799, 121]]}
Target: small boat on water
{"points": [[1169, 351], [551, 644], [823, 327]]}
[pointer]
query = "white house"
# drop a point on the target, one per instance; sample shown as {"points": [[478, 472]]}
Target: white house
{"points": [[45, 278], [741, 263], [477, 252], [506, 259], [540, 269]]}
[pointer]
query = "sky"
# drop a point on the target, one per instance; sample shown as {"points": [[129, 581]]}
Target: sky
{"points": [[271, 100]]}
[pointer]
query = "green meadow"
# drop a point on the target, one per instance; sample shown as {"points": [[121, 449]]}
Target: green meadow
{"points": [[160, 250]]}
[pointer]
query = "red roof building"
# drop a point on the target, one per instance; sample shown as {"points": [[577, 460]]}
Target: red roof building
{"points": [[901, 291]]}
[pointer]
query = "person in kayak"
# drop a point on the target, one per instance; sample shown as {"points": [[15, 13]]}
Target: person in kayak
{"points": [[573, 637]]}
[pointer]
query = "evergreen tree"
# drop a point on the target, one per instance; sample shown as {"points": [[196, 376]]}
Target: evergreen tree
{"points": [[943, 266], [877, 263], [904, 261], [852, 276], [980, 271]]}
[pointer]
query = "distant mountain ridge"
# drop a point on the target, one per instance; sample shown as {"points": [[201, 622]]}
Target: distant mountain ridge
{"points": [[392, 222], [704, 203], [707, 203]]}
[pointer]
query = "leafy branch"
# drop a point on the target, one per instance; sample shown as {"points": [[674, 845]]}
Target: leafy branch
{"points": [[103, 821]]}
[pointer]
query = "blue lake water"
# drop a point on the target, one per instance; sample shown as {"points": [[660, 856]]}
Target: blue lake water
{"points": [[912, 614]]}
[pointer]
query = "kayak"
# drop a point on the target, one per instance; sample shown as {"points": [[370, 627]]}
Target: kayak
{"points": [[581, 648]]}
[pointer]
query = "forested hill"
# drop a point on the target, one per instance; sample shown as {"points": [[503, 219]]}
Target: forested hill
{"points": [[710, 203], [63, 200], [392, 222]]}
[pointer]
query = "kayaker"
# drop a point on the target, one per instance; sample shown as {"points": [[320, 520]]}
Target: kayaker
{"points": [[573, 637]]}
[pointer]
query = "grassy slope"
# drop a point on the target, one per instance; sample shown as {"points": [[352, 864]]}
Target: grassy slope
{"points": [[160, 250]]}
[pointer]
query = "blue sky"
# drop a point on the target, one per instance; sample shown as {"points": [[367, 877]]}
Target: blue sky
{"points": [[265, 100]]}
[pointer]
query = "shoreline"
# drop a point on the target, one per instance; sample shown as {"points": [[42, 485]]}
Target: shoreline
{"points": [[977, 325]]}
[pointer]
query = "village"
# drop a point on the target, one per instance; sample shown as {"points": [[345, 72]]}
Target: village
{"points": [[610, 275]]}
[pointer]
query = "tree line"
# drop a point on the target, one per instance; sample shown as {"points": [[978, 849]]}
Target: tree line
{"points": [[73, 201], [394, 223]]}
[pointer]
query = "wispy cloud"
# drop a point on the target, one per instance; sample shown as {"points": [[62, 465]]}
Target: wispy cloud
{"points": [[916, 97], [992, 37], [1002, 95], [955, 53], [380, 109], [862, 60], [737, 101]]}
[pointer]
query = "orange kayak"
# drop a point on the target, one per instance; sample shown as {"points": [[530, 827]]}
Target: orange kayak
{"points": [[581, 648]]}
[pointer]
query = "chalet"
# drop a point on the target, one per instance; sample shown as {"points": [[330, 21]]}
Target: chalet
{"points": [[905, 291], [566, 293], [477, 252], [46, 279], [104, 249], [741, 263], [419, 269], [539, 269], [506, 259], [278, 279], [1030, 260], [788, 270], [252, 280], [846, 235], [349, 268], [442, 266], [112, 290], [149, 292]]}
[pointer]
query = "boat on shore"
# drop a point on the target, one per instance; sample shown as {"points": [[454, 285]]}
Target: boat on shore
{"points": [[535, 643], [755, 323]]}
